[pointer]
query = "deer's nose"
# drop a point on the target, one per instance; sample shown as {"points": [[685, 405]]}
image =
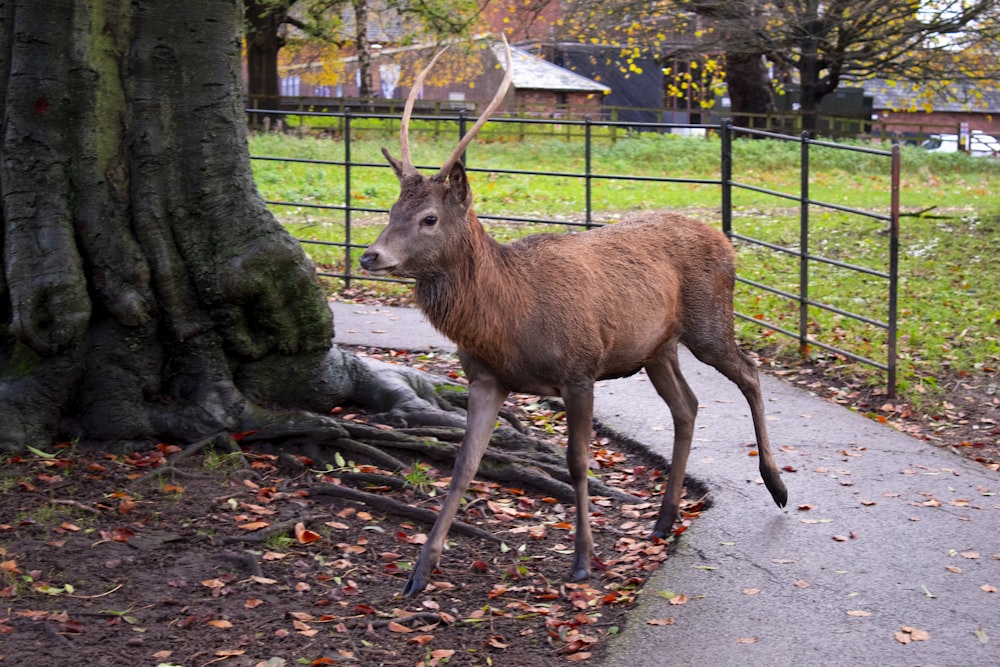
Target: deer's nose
{"points": [[369, 260]]}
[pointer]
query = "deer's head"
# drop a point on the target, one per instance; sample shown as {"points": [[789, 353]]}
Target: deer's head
{"points": [[431, 211]]}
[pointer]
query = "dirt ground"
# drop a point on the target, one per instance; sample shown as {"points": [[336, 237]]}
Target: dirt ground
{"points": [[241, 559]]}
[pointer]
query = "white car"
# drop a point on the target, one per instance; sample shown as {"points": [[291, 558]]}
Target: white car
{"points": [[980, 144]]}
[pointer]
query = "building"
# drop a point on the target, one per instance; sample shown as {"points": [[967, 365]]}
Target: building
{"points": [[465, 77]]}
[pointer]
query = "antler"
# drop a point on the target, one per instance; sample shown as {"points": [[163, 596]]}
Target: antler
{"points": [[471, 134], [406, 164], [404, 126]]}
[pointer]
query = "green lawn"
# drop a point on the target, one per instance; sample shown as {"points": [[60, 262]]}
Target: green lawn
{"points": [[950, 274]]}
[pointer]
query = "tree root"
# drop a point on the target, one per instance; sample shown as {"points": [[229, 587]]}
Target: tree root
{"points": [[395, 507], [422, 617], [246, 559], [169, 469]]}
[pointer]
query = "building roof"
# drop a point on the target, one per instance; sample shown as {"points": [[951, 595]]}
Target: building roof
{"points": [[532, 73], [901, 96]]}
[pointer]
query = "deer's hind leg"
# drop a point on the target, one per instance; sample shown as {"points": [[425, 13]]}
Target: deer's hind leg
{"points": [[733, 363], [665, 373]]}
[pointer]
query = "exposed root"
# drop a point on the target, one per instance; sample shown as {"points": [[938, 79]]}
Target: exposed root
{"points": [[246, 559], [397, 508], [169, 469]]}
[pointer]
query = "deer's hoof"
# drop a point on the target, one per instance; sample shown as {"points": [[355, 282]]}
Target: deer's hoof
{"points": [[414, 585]]}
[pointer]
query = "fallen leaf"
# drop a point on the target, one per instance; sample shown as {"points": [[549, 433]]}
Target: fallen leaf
{"points": [[750, 591], [680, 598], [253, 525], [971, 555], [747, 640], [907, 634], [989, 588], [577, 657], [304, 535], [220, 623], [953, 568], [802, 583], [859, 613], [336, 525], [253, 603], [420, 640], [397, 627], [661, 621]]}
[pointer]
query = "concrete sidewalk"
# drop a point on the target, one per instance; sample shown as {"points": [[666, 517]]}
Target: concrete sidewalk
{"points": [[882, 532]]}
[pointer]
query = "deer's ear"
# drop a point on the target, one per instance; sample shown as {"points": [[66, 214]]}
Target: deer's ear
{"points": [[459, 190], [396, 165]]}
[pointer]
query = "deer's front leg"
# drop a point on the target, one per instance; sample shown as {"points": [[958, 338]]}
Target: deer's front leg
{"points": [[485, 398], [580, 422]]}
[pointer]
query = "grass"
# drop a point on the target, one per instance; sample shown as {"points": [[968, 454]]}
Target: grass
{"points": [[949, 312]]}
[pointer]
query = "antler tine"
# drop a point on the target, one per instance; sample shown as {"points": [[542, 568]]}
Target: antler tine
{"points": [[404, 125], [471, 134]]}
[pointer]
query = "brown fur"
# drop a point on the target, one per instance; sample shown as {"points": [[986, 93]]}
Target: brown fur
{"points": [[551, 314]]}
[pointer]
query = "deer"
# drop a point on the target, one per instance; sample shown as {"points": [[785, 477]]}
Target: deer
{"points": [[551, 314]]}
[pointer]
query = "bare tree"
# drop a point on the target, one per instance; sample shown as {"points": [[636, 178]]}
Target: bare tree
{"points": [[819, 45]]}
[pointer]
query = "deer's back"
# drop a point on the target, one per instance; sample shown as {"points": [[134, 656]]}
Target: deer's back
{"points": [[594, 304]]}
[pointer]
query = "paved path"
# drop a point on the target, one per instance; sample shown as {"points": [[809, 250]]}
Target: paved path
{"points": [[882, 531]]}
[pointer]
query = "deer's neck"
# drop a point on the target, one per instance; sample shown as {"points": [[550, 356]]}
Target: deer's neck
{"points": [[476, 297]]}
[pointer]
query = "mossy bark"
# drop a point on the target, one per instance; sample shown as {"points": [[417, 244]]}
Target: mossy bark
{"points": [[147, 293]]}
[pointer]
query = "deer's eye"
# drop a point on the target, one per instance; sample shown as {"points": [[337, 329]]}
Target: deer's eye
{"points": [[429, 221]]}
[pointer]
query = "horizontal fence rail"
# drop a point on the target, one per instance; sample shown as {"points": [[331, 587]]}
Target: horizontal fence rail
{"points": [[582, 133]]}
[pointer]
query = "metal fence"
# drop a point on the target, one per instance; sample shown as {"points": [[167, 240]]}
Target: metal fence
{"points": [[728, 183]]}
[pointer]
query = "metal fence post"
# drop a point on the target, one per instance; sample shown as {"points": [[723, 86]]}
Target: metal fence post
{"points": [[804, 249], [587, 181], [726, 130], [347, 198], [893, 270]]}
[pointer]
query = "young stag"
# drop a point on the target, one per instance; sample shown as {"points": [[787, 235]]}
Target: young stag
{"points": [[550, 314]]}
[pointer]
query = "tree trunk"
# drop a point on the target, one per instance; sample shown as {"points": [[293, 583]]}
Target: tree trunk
{"points": [[750, 92], [263, 41], [147, 294], [365, 79]]}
